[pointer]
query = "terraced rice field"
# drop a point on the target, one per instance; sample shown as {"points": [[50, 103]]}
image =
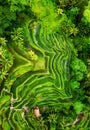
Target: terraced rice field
{"points": [[44, 82]]}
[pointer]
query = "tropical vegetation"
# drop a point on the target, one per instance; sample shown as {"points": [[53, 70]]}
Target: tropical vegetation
{"points": [[45, 62]]}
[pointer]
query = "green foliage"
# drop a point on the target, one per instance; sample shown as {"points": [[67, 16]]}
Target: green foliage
{"points": [[18, 5], [67, 26], [47, 14], [78, 75], [33, 55], [5, 18], [86, 13], [6, 59], [68, 4], [79, 70], [74, 84], [17, 37], [78, 106], [78, 65]]}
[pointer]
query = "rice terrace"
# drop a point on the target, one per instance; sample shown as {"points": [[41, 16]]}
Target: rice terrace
{"points": [[44, 65]]}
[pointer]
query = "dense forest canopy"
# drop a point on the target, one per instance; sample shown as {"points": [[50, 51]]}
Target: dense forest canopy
{"points": [[44, 62]]}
